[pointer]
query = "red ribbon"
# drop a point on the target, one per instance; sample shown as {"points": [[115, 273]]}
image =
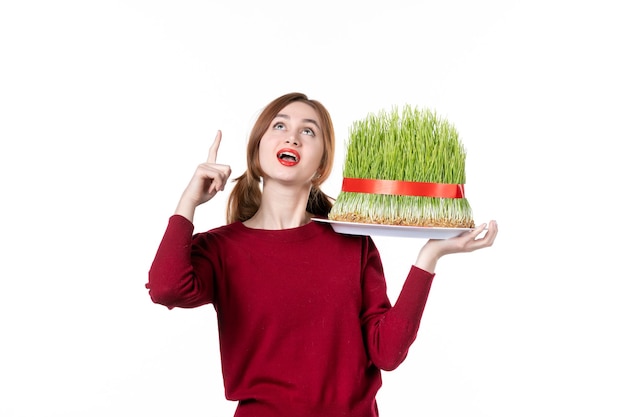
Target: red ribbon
{"points": [[408, 188]]}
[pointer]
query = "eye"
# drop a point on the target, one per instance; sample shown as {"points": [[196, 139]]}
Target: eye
{"points": [[279, 126], [308, 131]]}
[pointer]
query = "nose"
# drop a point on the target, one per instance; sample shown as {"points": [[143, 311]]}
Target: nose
{"points": [[292, 140]]}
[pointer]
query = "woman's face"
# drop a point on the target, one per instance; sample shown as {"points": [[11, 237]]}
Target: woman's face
{"points": [[291, 149]]}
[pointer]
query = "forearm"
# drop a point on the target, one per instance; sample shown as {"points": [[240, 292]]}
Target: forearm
{"points": [[392, 335], [171, 280]]}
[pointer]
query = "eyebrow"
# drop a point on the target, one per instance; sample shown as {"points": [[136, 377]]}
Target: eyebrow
{"points": [[284, 116]]}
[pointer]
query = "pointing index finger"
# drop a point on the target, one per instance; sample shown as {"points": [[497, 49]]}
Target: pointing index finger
{"points": [[214, 147]]}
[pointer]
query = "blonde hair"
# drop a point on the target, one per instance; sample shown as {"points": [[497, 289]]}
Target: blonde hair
{"points": [[245, 199]]}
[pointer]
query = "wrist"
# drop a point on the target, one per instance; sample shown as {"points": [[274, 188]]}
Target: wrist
{"points": [[427, 258], [185, 209]]}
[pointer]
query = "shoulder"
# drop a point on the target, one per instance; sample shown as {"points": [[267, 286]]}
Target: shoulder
{"points": [[327, 232], [220, 234], [236, 227]]}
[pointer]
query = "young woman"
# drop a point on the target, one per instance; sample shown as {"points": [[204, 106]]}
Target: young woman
{"points": [[305, 323]]}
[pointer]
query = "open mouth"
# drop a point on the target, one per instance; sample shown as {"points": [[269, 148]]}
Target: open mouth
{"points": [[288, 157]]}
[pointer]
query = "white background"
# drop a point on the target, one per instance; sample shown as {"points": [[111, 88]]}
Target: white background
{"points": [[106, 108]]}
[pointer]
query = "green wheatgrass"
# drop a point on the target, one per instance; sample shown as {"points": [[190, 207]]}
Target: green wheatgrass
{"points": [[406, 145]]}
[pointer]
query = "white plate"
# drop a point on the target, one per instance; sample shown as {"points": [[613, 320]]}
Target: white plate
{"points": [[371, 229]]}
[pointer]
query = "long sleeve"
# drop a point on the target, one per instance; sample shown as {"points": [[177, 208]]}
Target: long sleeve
{"points": [[391, 330], [175, 279]]}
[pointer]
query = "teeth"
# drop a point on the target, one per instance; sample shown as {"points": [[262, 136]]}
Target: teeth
{"points": [[288, 155]]}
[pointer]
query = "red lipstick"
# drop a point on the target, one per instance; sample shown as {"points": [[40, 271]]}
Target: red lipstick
{"points": [[288, 157]]}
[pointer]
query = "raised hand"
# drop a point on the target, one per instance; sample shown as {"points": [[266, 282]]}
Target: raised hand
{"points": [[467, 242], [209, 178]]}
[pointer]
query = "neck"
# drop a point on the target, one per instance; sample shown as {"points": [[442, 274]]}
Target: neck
{"points": [[282, 207]]}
